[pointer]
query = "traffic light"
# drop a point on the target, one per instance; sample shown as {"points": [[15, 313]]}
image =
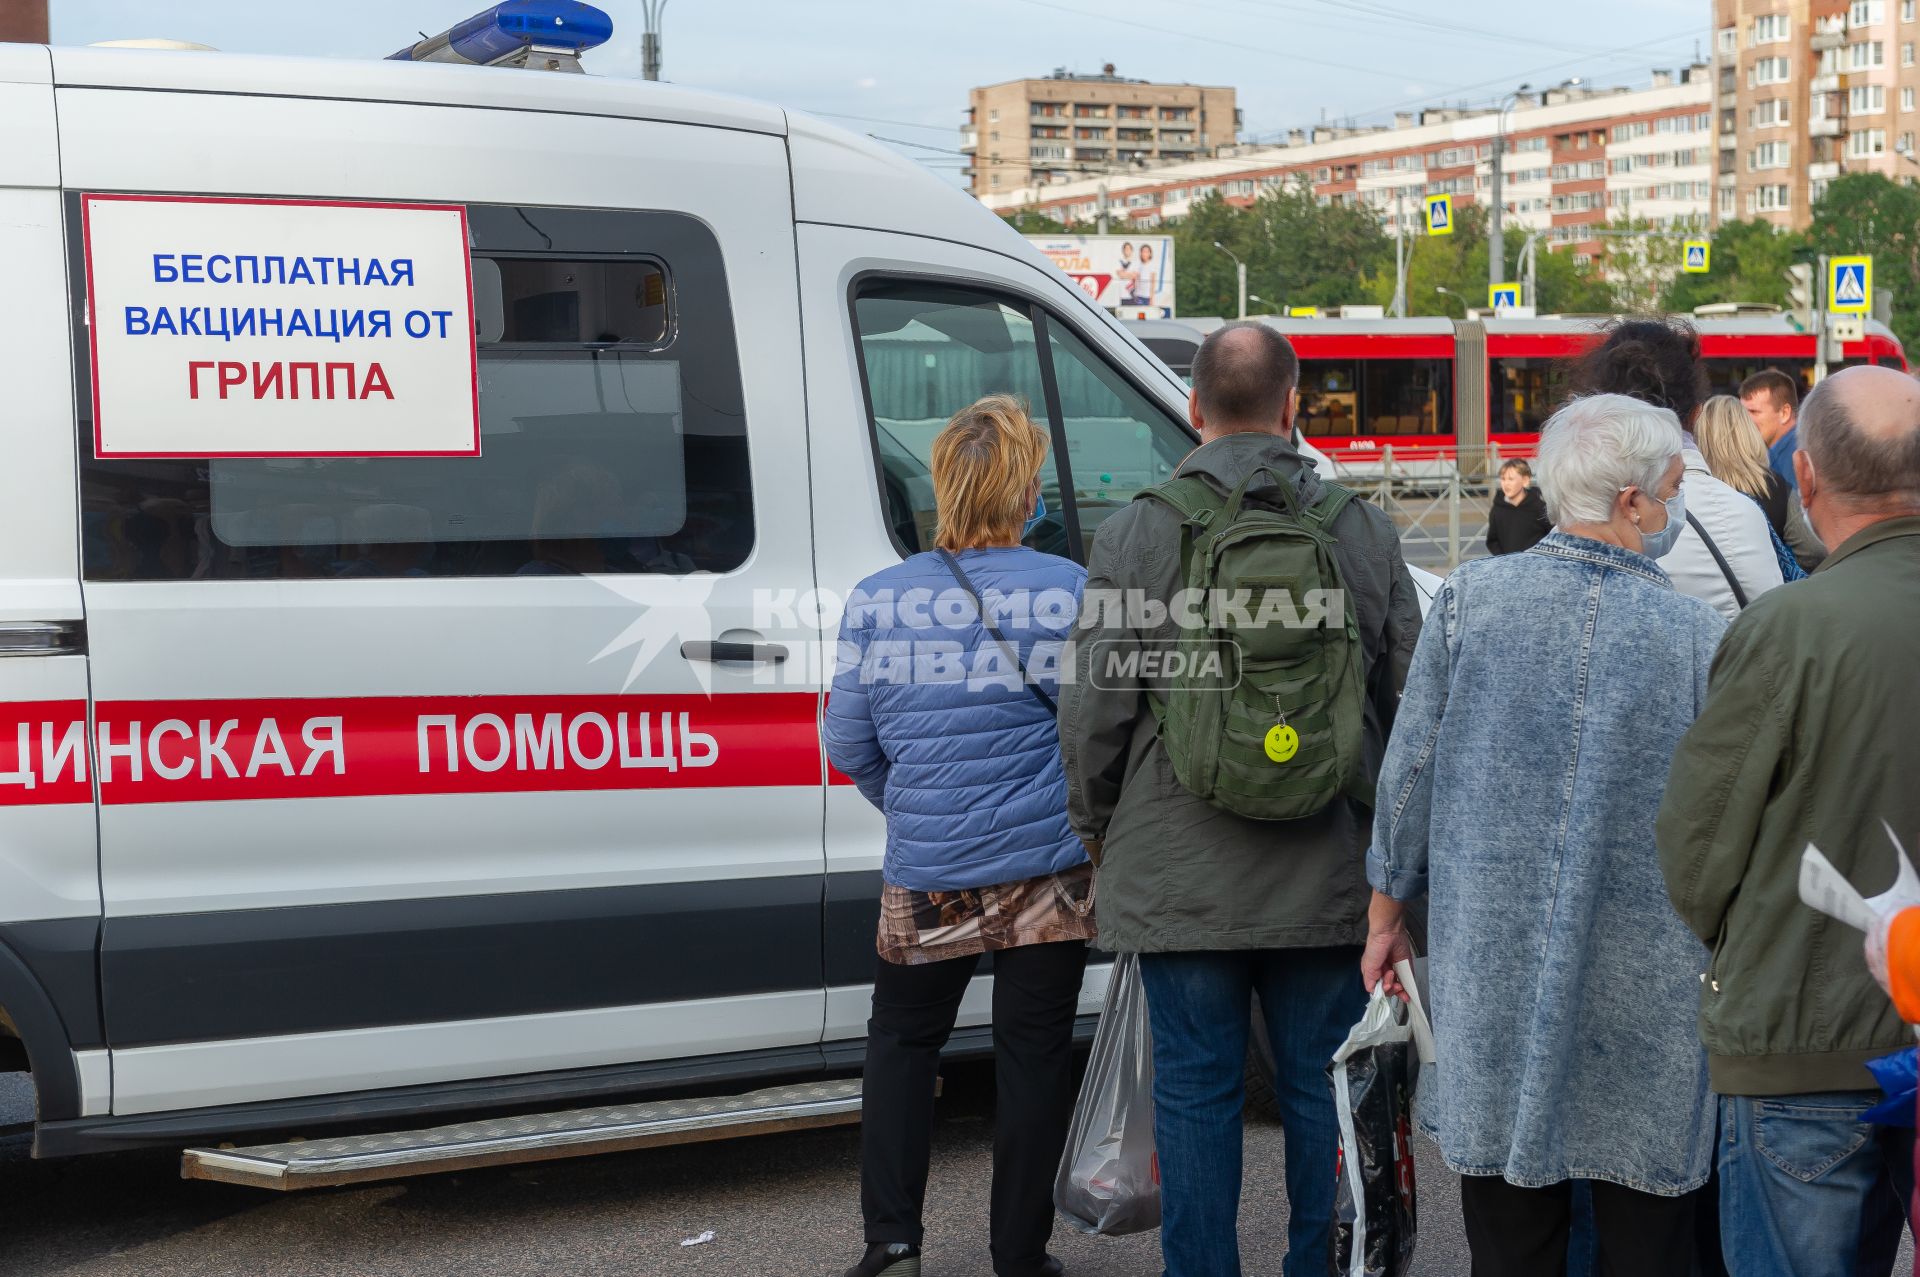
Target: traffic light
{"points": [[1800, 294]]}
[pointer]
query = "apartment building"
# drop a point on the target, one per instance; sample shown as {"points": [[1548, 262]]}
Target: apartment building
{"points": [[1575, 158], [1805, 90], [1034, 132]]}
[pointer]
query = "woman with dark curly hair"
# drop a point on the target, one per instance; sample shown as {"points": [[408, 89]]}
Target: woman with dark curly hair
{"points": [[1725, 553]]}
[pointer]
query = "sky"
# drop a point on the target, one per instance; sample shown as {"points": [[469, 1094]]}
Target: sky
{"points": [[900, 69]]}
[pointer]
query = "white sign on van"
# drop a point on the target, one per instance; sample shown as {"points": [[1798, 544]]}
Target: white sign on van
{"points": [[279, 328]]}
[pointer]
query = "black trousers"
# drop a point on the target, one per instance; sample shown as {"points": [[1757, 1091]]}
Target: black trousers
{"points": [[1522, 1232], [1036, 989]]}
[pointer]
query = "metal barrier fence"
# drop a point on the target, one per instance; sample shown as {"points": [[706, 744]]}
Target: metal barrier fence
{"points": [[1440, 512]]}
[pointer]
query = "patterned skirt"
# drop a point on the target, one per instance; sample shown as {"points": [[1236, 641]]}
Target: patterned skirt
{"points": [[932, 926]]}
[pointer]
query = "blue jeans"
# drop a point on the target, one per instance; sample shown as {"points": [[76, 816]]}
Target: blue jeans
{"points": [[1200, 1007], [1796, 1172]]}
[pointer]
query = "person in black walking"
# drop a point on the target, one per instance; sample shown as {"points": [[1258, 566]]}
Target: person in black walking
{"points": [[1519, 514]]}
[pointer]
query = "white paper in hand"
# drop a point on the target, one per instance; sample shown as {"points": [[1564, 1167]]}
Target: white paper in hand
{"points": [[1825, 888], [1905, 890]]}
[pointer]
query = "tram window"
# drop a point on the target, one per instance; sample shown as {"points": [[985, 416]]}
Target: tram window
{"points": [[1329, 397], [1527, 392], [1725, 375], [1376, 397], [1403, 396]]}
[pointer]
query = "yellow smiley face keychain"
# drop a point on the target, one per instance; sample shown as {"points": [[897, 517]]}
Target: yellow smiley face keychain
{"points": [[1282, 743]]}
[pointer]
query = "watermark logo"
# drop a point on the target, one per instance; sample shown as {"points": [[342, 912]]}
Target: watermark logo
{"points": [[926, 635], [1117, 665], [673, 610]]}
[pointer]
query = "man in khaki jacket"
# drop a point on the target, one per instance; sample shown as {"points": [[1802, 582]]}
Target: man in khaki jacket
{"points": [[1807, 737], [1219, 906]]}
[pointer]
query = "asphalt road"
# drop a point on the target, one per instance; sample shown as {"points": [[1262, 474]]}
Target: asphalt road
{"points": [[777, 1206]]}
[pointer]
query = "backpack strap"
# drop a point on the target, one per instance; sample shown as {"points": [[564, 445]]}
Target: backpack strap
{"points": [[1197, 503], [1192, 497], [1333, 499]]}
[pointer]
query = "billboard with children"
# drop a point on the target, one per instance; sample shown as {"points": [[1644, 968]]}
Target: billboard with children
{"points": [[1130, 275]]}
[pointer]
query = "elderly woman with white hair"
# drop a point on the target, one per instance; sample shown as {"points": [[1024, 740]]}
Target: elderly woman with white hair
{"points": [[1519, 791]]}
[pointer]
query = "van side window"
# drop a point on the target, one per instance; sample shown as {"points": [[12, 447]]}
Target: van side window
{"points": [[1118, 441], [613, 437], [928, 350]]}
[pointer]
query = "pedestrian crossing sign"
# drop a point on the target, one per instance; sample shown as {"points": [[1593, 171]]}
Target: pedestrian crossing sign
{"points": [[1698, 252], [1503, 296], [1439, 214], [1850, 285]]}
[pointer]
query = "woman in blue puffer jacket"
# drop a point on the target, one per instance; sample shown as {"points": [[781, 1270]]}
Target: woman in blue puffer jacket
{"points": [[947, 725]]}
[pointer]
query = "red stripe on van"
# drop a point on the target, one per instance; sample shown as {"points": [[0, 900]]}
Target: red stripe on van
{"points": [[211, 750]]}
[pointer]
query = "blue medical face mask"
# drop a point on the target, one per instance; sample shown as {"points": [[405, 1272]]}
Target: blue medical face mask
{"points": [[1033, 520], [1656, 544]]}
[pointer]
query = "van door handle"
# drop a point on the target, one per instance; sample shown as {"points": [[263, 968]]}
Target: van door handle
{"points": [[43, 638], [714, 650]]}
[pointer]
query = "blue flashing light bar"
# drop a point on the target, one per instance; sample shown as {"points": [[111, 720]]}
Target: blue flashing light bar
{"points": [[506, 30]]}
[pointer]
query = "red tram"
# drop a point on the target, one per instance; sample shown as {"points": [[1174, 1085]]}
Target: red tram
{"points": [[1367, 384]]}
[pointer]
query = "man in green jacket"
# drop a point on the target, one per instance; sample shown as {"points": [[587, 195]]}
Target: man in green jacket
{"points": [[1806, 737], [1219, 906]]}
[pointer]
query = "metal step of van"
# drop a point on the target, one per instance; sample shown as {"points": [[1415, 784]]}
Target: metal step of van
{"points": [[535, 1137]]}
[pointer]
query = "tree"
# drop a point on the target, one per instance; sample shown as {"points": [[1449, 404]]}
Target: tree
{"points": [[1029, 222], [1458, 263], [1642, 260], [1748, 264], [1868, 213], [1298, 251], [1564, 285]]}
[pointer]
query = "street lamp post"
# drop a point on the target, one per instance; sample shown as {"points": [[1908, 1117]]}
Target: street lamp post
{"points": [[1496, 201], [1528, 267], [1400, 253], [1240, 271], [651, 11], [1448, 292]]}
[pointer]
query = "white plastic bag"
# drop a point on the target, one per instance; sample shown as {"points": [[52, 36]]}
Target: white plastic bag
{"points": [[1373, 1076], [1109, 1180]]}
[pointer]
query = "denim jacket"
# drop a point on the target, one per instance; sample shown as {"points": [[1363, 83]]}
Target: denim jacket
{"points": [[1548, 692]]}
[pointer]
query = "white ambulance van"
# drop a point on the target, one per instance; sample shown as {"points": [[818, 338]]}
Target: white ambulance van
{"points": [[421, 486]]}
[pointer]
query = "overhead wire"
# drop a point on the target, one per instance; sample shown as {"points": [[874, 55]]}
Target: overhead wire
{"points": [[1473, 35], [874, 119], [1241, 45], [1601, 55], [1594, 58]]}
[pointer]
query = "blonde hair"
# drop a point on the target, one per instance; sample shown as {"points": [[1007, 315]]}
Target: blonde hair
{"points": [[1732, 446], [984, 463]]}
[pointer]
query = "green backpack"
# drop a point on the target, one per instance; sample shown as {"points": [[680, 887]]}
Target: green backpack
{"points": [[1263, 712]]}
